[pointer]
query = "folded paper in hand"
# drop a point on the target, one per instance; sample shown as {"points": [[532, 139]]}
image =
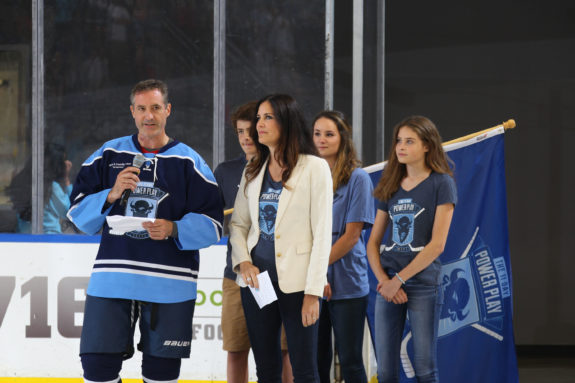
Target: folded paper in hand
{"points": [[265, 294], [120, 224]]}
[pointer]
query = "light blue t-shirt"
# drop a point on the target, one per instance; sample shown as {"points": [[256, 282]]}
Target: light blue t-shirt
{"points": [[263, 254], [352, 202], [54, 211]]}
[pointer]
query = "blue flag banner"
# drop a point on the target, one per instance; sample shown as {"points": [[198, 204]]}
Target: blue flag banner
{"points": [[476, 343]]}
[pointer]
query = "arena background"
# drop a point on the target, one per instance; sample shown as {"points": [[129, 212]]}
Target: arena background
{"points": [[66, 68]]}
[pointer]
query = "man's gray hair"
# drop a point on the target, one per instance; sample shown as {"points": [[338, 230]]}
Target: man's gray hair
{"points": [[150, 84]]}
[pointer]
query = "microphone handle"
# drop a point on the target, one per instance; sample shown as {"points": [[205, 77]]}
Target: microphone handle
{"points": [[124, 198], [125, 195]]}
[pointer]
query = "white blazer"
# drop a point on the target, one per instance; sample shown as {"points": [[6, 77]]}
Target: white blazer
{"points": [[302, 227]]}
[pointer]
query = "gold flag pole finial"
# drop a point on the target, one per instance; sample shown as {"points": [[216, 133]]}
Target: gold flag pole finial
{"points": [[509, 124]]}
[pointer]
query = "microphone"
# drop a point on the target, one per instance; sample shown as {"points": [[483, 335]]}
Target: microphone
{"points": [[138, 161]]}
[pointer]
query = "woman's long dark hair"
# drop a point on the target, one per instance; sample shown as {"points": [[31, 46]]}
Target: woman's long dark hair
{"points": [[295, 137], [435, 157]]}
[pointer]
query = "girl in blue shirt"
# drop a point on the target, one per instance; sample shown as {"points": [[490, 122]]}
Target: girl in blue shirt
{"points": [[345, 295], [418, 196]]}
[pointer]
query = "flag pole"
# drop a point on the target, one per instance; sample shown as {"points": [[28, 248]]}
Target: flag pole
{"points": [[509, 124]]}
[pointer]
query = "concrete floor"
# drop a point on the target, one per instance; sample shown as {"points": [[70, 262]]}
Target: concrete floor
{"points": [[546, 365]]}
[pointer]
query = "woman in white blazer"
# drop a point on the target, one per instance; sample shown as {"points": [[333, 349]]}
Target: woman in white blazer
{"points": [[282, 224]]}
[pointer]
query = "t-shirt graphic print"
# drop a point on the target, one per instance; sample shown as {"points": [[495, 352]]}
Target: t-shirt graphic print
{"points": [[403, 215], [269, 199]]}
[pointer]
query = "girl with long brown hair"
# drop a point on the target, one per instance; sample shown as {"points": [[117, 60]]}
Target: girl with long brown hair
{"points": [[417, 196], [345, 295]]}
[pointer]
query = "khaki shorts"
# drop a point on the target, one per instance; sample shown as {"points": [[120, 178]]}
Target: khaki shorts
{"points": [[234, 328]]}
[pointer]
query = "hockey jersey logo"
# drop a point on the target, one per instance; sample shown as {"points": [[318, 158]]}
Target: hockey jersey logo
{"points": [[143, 202]]}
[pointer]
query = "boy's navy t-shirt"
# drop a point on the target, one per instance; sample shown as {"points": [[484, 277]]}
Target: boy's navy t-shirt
{"points": [[228, 176]]}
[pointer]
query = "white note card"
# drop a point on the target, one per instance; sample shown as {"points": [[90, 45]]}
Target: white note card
{"points": [[120, 224], [265, 294]]}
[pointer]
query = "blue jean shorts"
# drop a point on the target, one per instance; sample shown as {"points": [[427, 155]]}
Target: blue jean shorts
{"points": [[109, 325]]}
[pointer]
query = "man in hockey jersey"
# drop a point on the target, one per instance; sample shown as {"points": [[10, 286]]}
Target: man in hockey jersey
{"points": [[147, 274]]}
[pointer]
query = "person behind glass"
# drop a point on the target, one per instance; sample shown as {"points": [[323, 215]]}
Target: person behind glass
{"points": [[57, 189], [147, 274], [417, 197], [282, 224], [344, 308], [234, 330]]}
